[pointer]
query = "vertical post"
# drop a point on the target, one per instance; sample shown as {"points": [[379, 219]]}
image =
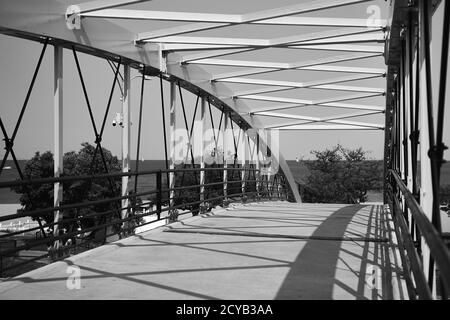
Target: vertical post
{"points": [[426, 188], [408, 108], [173, 95], [225, 151], [159, 193], [58, 137], [201, 129], [243, 158], [257, 167], [126, 130]]}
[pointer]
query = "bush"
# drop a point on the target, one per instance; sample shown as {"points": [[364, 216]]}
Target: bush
{"points": [[340, 175], [40, 196]]}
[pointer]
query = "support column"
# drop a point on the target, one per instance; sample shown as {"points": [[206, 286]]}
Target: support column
{"points": [[243, 158], [225, 149], [426, 188], [126, 133], [173, 95], [202, 128], [257, 167], [58, 137]]}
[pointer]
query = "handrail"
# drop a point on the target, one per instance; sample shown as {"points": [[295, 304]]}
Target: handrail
{"points": [[100, 217], [438, 249], [14, 183]]}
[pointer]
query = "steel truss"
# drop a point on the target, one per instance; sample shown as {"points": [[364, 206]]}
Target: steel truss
{"points": [[410, 136]]}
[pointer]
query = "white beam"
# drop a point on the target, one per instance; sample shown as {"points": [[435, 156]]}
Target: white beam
{"points": [[368, 36], [339, 47], [225, 142], [310, 38], [318, 84], [333, 105], [326, 127], [217, 18], [298, 65], [202, 129], [173, 141], [58, 138], [333, 119], [126, 135], [91, 6], [325, 102], [179, 47], [344, 69], [225, 21], [337, 35]]}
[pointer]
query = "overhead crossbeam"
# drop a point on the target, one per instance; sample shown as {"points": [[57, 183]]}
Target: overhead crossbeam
{"points": [[334, 36], [180, 47], [93, 6], [331, 105], [318, 84], [248, 18], [338, 35], [332, 119], [326, 127], [227, 18], [267, 67], [301, 102]]}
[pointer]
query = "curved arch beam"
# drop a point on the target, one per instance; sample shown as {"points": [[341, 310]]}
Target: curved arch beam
{"points": [[109, 40]]}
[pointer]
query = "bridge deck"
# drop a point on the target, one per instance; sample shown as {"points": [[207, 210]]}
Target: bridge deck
{"points": [[271, 250]]}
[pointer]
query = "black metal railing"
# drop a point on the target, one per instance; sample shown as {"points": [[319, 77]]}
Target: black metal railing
{"points": [[409, 233], [84, 226]]}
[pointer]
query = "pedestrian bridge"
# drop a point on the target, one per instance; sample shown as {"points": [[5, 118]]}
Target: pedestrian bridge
{"points": [[263, 250], [223, 218]]}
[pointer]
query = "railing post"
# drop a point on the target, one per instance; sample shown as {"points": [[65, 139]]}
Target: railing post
{"points": [[257, 168], [126, 132], [225, 165], [159, 193], [58, 139], [426, 187], [243, 167], [201, 139], [173, 142]]}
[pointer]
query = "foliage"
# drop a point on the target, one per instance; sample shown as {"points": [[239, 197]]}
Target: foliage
{"points": [[340, 175], [444, 195], [79, 163]]}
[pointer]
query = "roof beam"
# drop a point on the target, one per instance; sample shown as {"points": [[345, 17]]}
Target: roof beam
{"points": [[338, 35], [318, 84], [227, 18], [252, 17], [324, 127], [337, 121], [177, 47], [290, 40], [333, 105], [298, 65], [331, 119], [310, 102], [92, 6]]}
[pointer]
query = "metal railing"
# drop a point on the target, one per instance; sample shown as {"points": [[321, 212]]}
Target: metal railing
{"points": [[411, 226], [85, 226]]}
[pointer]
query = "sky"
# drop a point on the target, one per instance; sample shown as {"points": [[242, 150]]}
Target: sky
{"points": [[19, 57]]}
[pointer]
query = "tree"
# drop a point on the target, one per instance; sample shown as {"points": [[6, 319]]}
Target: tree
{"points": [[81, 163], [340, 175]]}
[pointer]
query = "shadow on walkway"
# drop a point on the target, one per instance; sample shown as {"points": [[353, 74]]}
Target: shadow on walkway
{"points": [[315, 266]]}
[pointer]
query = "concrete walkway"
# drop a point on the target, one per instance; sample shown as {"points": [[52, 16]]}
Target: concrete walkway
{"points": [[271, 250]]}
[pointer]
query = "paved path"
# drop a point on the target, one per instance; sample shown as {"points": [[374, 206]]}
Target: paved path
{"points": [[275, 250]]}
